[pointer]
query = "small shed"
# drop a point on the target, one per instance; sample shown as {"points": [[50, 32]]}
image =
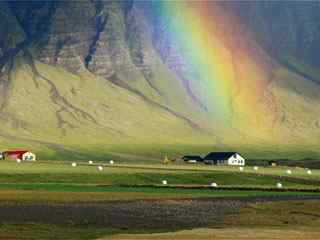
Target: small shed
{"points": [[15, 154], [192, 159], [272, 163], [224, 158]]}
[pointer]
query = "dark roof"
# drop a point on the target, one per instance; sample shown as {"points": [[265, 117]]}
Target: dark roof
{"points": [[272, 161], [192, 157], [219, 155]]}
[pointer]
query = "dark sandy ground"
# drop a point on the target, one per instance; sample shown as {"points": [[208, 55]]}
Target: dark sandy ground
{"points": [[153, 214]]}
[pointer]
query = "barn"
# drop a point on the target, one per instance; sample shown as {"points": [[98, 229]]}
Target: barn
{"points": [[224, 158], [20, 154]]}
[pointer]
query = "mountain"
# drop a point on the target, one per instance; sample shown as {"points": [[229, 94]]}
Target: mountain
{"points": [[128, 78]]}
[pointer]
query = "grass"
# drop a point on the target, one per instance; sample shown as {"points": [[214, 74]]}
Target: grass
{"points": [[226, 234], [87, 120], [68, 134], [32, 231], [277, 214], [59, 183], [63, 173], [279, 171], [268, 221], [52, 182], [44, 193], [222, 179]]}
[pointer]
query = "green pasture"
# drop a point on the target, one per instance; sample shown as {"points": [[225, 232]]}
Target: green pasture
{"points": [[54, 193], [132, 175], [60, 183], [35, 231]]}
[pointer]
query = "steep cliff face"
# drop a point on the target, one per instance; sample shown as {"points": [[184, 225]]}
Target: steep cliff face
{"points": [[288, 31], [78, 73]]}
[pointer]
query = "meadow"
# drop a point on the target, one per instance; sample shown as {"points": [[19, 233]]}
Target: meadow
{"points": [[62, 174], [47, 186]]}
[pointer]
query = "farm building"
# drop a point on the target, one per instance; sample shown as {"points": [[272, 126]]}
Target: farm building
{"points": [[272, 163], [224, 158], [29, 156], [20, 154], [192, 159]]}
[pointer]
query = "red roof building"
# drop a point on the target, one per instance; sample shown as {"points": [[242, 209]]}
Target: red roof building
{"points": [[16, 154]]}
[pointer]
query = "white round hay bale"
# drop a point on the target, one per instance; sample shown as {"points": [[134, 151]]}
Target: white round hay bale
{"points": [[309, 172], [289, 171], [111, 162], [279, 185], [100, 168], [74, 164], [214, 184], [164, 182], [18, 160], [241, 169], [255, 168], [90, 162]]}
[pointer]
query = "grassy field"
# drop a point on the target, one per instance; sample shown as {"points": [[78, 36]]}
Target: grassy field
{"points": [[59, 182], [84, 167], [264, 221], [227, 234], [132, 175], [32, 231], [52, 183], [52, 194]]}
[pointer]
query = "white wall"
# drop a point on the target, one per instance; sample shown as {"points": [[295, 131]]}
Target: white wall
{"points": [[29, 156], [236, 160]]}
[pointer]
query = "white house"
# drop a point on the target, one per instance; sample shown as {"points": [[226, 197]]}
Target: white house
{"points": [[28, 156], [225, 158]]}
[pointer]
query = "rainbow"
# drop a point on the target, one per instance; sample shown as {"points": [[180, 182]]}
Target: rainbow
{"points": [[225, 60]]}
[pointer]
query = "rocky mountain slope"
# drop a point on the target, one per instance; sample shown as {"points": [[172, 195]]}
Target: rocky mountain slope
{"points": [[80, 76]]}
